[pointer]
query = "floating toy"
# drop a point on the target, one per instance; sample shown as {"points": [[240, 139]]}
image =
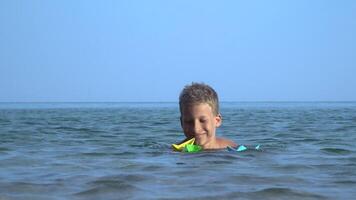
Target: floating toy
{"points": [[192, 148], [241, 148], [180, 147], [189, 147]]}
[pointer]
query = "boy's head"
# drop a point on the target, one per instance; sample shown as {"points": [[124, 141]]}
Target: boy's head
{"points": [[198, 93], [199, 108]]}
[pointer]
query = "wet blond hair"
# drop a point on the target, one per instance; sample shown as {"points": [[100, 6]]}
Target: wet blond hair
{"points": [[197, 93]]}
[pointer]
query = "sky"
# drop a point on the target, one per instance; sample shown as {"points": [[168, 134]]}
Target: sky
{"points": [[114, 51]]}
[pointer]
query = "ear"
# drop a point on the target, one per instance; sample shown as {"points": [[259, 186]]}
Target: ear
{"points": [[218, 120]]}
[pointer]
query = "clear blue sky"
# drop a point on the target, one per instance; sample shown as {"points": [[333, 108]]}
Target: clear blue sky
{"points": [[131, 50]]}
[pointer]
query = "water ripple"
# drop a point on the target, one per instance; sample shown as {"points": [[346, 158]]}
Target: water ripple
{"points": [[122, 151]]}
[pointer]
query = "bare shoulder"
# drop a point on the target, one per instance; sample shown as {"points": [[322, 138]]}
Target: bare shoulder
{"points": [[223, 142]]}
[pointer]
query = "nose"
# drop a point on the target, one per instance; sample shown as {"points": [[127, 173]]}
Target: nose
{"points": [[196, 128]]}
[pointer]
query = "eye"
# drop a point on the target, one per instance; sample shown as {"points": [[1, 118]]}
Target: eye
{"points": [[203, 120]]}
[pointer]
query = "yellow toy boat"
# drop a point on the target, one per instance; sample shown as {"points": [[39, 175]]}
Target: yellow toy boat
{"points": [[180, 147]]}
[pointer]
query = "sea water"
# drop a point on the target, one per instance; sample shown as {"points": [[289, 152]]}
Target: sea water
{"points": [[122, 151]]}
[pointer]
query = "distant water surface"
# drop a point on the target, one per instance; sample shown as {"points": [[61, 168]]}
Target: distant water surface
{"points": [[122, 151]]}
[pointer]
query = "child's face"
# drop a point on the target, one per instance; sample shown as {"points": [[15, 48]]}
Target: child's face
{"points": [[199, 121]]}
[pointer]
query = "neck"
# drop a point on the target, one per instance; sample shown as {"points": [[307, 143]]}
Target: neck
{"points": [[209, 145]]}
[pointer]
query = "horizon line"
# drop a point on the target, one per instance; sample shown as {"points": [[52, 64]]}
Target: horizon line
{"points": [[259, 101]]}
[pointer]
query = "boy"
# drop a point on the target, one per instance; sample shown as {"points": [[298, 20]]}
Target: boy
{"points": [[199, 108]]}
